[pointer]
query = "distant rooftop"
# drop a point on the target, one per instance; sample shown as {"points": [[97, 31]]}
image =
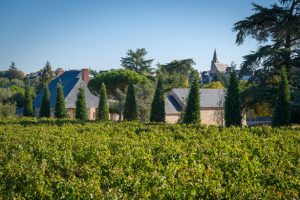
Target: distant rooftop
{"points": [[71, 81]]}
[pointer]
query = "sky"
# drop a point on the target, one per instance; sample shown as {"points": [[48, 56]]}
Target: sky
{"points": [[96, 34]]}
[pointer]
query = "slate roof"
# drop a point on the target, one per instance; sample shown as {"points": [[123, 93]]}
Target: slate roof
{"points": [[71, 81], [209, 98], [172, 106]]}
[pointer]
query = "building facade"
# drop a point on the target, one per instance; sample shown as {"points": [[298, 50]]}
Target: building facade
{"points": [[71, 81], [211, 105]]}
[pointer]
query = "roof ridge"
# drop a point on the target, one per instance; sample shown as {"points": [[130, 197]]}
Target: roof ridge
{"points": [[73, 88]]}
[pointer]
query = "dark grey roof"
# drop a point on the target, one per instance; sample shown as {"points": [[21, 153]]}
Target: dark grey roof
{"points": [[71, 81], [172, 106], [209, 98], [91, 100]]}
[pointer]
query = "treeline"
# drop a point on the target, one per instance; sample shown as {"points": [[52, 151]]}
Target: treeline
{"points": [[16, 87], [274, 85]]}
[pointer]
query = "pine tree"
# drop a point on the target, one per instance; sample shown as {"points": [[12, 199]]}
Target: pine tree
{"points": [[158, 112], [46, 75], [282, 113], [28, 109], [45, 106], [192, 110], [60, 108], [103, 111], [130, 110], [81, 111], [233, 114]]}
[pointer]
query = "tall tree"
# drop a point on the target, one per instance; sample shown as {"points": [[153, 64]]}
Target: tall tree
{"points": [[282, 112], [276, 28], [177, 74], [14, 73], [184, 66], [192, 109], [158, 112], [45, 105], [28, 108], [233, 116], [136, 61], [81, 111], [116, 82], [103, 111], [60, 108], [115, 79], [278, 25], [46, 75], [130, 110]]}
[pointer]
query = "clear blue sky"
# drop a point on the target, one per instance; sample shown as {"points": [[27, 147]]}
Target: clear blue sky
{"points": [[96, 33]]}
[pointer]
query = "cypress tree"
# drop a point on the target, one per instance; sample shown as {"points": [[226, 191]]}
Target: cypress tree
{"points": [[81, 112], [158, 112], [233, 114], [130, 110], [103, 112], [28, 109], [45, 106], [192, 110], [60, 108], [282, 113]]}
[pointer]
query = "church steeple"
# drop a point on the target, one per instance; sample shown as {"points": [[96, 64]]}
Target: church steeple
{"points": [[215, 58]]}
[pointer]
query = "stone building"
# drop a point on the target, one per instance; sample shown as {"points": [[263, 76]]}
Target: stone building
{"points": [[211, 105], [71, 80]]}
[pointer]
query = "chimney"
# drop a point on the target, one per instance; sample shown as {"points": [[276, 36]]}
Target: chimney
{"points": [[85, 75], [59, 71]]}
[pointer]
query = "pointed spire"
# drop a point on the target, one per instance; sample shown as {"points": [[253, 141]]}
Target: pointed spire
{"points": [[215, 59]]}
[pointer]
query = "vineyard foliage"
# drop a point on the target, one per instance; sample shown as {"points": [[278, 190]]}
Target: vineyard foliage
{"points": [[66, 159]]}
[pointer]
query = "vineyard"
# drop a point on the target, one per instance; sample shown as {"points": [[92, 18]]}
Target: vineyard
{"points": [[66, 159]]}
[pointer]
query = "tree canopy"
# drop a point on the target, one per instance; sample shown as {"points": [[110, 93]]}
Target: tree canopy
{"points": [[115, 79], [14, 73], [135, 60], [177, 74], [178, 66], [276, 28], [46, 75]]}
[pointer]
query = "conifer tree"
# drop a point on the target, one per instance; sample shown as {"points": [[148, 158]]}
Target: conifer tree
{"points": [[233, 115], [28, 108], [282, 113], [46, 75], [130, 110], [81, 111], [158, 112], [103, 111], [60, 108], [45, 106], [192, 110]]}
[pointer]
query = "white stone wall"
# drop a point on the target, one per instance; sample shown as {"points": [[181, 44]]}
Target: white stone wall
{"points": [[209, 116]]}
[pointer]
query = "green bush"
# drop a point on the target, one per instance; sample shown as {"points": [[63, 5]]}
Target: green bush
{"points": [[7, 110], [51, 159]]}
